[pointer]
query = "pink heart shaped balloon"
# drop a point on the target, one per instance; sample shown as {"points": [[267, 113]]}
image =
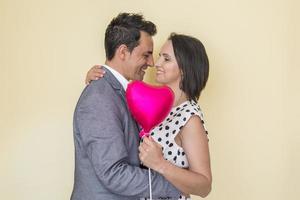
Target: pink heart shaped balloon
{"points": [[149, 104]]}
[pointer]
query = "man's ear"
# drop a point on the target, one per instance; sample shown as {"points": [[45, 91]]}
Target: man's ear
{"points": [[122, 51]]}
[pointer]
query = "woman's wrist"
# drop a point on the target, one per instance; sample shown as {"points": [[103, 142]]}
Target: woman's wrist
{"points": [[162, 167]]}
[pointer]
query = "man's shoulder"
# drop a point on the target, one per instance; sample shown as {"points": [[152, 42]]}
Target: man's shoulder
{"points": [[109, 82], [96, 92], [101, 86]]}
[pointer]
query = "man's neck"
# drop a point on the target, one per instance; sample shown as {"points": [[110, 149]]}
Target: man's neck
{"points": [[116, 66], [120, 77]]}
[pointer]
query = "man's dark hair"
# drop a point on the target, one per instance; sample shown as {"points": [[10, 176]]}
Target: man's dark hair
{"points": [[193, 64], [125, 29]]}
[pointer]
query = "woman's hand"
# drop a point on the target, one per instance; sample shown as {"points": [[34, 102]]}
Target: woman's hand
{"points": [[151, 154], [94, 73]]}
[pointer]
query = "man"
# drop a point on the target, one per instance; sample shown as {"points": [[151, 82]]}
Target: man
{"points": [[105, 135]]}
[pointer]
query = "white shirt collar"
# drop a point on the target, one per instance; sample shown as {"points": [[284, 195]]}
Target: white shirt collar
{"points": [[124, 82]]}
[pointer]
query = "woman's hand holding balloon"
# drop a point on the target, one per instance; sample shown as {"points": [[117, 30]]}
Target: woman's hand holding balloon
{"points": [[151, 155]]}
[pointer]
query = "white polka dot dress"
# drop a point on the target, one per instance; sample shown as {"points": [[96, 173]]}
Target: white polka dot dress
{"points": [[166, 132]]}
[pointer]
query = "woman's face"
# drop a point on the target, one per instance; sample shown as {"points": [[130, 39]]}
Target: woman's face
{"points": [[167, 70]]}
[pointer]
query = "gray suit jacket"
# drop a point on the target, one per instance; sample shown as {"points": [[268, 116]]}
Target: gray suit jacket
{"points": [[106, 141]]}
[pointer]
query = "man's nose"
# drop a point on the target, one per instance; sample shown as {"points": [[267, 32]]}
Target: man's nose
{"points": [[150, 62]]}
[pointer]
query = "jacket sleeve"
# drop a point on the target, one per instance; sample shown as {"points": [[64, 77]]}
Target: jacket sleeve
{"points": [[100, 125]]}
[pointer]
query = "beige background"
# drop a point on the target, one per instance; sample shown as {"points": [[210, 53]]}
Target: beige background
{"points": [[250, 103]]}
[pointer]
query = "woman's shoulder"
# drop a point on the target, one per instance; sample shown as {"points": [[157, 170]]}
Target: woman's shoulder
{"points": [[193, 113], [188, 108]]}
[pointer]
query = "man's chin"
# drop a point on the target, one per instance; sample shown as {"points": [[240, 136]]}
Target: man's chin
{"points": [[140, 77]]}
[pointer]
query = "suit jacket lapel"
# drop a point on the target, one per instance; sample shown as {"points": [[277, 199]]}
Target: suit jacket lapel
{"points": [[113, 81]]}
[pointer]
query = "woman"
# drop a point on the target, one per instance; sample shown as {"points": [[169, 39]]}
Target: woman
{"points": [[178, 147]]}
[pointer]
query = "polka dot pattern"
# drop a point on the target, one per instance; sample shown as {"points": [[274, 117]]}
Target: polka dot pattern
{"points": [[166, 132]]}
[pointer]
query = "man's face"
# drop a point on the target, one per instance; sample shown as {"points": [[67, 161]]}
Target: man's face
{"points": [[140, 58]]}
